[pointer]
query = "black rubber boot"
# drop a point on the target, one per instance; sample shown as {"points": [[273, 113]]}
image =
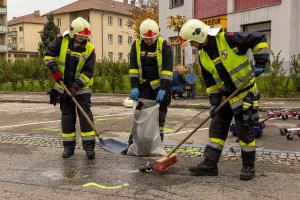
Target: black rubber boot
{"points": [[130, 142], [209, 167], [90, 154], [206, 168], [161, 136], [248, 170], [68, 153]]}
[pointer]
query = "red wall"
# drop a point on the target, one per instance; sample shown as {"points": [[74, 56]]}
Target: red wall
{"points": [[248, 4], [210, 8]]}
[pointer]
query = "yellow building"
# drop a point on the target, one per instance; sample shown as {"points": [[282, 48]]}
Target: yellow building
{"points": [[111, 25], [24, 35], [3, 28]]}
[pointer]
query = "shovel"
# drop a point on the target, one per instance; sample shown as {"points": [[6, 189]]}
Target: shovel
{"points": [[109, 145]]}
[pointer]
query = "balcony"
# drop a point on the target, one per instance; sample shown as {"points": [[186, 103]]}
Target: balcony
{"points": [[3, 48], [3, 10], [12, 34], [12, 46]]}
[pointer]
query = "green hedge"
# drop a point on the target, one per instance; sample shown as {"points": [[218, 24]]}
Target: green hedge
{"points": [[112, 77]]}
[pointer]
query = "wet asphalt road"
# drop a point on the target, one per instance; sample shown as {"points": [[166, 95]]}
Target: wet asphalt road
{"points": [[35, 172], [39, 173]]}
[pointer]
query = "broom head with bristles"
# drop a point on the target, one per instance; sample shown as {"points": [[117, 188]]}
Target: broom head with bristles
{"points": [[162, 164]]}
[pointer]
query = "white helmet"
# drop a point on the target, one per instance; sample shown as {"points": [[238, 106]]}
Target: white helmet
{"points": [[80, 26], [149, 29], [196, 30]]}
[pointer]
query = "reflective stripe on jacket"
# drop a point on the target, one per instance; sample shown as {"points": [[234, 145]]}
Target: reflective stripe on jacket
{"points": [[89, 48], [237, 66], [163, 74]]}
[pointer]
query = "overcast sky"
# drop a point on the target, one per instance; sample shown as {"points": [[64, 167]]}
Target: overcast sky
{"points": [[16, 8]]}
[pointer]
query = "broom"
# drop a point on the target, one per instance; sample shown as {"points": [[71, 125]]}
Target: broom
{"points": [[162, 164]]}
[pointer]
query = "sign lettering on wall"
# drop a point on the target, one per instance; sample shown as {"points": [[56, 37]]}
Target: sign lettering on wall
{"points": [[216, 21]]}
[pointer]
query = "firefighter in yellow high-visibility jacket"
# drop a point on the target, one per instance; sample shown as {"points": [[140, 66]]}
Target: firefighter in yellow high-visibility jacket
{"points": [[225, 67], [71, 59]]}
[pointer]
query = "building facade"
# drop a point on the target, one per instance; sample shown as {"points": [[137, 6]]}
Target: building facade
{"points": [[111, 25], [24, 35], [3, 28], [278, 19], [172, 8]]}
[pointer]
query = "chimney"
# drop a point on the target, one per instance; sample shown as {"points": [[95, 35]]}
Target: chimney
{"points": [[132, 2], [125, 1], [36, 13]]}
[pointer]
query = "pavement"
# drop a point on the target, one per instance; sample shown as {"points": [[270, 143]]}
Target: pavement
{"points": [[31, 166], [116, 100]]}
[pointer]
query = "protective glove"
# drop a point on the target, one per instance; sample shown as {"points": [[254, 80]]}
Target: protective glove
{"points": [[134, 94], [74, 89], [160, 96], [212, 109], [57, 75], [54, 96], [258, 69]]}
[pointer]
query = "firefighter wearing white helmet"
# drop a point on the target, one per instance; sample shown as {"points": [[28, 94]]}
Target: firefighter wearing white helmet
{"points": [[151, 69], [149, 29], [80, 26], [224, 67], [71, 59]]}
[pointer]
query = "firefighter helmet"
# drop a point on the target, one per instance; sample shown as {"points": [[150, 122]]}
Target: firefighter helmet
{"points": [[194, 30], [149, 29], [80, 26]]}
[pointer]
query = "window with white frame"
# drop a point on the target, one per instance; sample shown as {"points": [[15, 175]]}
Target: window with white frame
{"points": [[58, 21], [120, 22], [110, 39], [120, 56], [110, 55], [110, 21], [120, 39], [129, 40], [176, 3], [129, 23]]}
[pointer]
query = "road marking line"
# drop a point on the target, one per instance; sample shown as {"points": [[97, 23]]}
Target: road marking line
{"points": [[109, 118], [45, 122], [108, 187], [29, 108], [188, 131]]}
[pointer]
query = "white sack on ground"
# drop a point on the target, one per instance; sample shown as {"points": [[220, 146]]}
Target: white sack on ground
{"points": [[145, 130]]}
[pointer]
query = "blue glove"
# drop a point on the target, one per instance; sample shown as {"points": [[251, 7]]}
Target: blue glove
{"points": [[212, 109], [258, 69], [134, 94], [160, 95]]}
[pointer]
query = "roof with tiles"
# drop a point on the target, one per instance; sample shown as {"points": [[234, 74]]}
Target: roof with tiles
{"points": [[102, 5], [34, 18]]}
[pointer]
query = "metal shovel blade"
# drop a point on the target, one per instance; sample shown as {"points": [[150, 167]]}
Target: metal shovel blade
{"points": [[113, 146]]}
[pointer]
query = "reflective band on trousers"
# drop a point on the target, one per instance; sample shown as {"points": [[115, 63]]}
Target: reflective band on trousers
{"points": [[215, 145], [88, 135], [251, 144], [69, 137]]}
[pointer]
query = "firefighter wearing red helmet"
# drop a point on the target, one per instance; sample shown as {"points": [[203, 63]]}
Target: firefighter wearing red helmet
{"points": [[151, 69], [71, 59]]}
